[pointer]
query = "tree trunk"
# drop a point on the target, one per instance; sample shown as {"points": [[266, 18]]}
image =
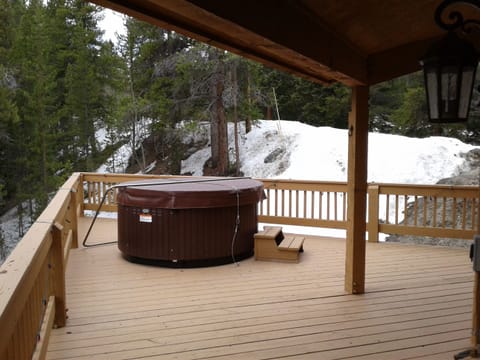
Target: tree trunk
{"points": [[248, 120], [235, 120], [218, 129], [268, 115]]}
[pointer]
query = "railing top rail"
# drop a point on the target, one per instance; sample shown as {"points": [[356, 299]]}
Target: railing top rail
{"points": [[300, 181], [423, 186], [20, 269]]}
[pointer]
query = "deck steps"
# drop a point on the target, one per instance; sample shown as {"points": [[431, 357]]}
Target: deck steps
{"points": [[272, 245]]}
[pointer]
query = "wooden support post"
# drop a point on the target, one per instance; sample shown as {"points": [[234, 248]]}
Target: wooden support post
{"points": [[80, 196], [372, 226], [475, 338], [357, 192], [58, 276]]}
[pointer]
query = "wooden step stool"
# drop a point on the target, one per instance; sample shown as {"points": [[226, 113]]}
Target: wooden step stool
{"points": [[272, 245]]}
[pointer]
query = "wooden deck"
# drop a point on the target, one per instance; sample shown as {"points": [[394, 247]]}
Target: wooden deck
{"points": [[417, 306]]}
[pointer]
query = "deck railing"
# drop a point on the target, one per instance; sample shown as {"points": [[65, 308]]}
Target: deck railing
{"points": [[392, 208], [423, 210], [32, 279], [305, 203]]}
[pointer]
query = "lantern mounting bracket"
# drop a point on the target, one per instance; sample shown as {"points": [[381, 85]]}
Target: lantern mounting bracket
{"points": [[456, 19]]}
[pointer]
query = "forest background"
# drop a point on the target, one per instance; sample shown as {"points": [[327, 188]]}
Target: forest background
{"points": [[61, 81]]}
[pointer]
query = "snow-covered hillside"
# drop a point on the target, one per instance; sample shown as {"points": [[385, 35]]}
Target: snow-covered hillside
{"points": [[292, 150]]}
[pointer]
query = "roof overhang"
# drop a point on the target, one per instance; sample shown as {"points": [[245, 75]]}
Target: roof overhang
{"points": [[352, 42]]}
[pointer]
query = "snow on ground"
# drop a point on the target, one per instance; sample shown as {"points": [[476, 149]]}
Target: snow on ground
{"points": [[194, 164], [321, 153], [9, 229], [112, 24], [118, 162]]}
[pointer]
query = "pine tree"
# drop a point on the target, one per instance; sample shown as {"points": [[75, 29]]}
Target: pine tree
{"points": [[8, 108], [35, 159], [151, 55]]}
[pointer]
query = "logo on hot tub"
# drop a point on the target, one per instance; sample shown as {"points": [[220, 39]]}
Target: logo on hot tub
{"points": [[145, 216]]}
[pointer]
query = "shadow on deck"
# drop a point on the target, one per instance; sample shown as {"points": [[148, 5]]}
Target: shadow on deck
{"points": [[417, 306]]}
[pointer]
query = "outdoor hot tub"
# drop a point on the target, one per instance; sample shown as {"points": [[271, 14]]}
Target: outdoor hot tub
{"points": [[183, 222]]}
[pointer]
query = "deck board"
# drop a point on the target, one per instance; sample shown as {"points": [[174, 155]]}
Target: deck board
{"points": [[417, 305]]}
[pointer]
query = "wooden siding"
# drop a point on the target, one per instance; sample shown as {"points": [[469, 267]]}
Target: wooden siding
{"points": [[417, 305]]}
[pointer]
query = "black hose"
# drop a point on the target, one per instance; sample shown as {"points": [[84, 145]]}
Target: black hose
{"points": [[84, 243], [180, 182]]}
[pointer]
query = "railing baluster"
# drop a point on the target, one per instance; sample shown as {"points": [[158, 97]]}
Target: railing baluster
{"points": [[444, 212], [396, 209], [304, 204], [297, 204], [415, 211], [89, 192], [290, 203], [387, 209], [425, 200], [320, 205], [327, 210], [312, 205], [472, 215], [269, 198], [454, 213], [104, 192], [335, 205]]}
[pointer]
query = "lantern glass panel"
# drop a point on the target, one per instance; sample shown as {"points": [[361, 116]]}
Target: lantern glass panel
{"points": [[466, 91], [449, 93], [432, 92]]}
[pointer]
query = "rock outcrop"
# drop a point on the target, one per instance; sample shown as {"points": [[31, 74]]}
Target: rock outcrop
{"points": [[470, 175]]}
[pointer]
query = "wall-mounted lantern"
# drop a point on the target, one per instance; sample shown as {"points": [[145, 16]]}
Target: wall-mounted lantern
{"points": [[449, 69]]}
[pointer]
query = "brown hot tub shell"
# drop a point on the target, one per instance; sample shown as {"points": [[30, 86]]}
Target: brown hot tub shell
{"points": [[188, 222]]}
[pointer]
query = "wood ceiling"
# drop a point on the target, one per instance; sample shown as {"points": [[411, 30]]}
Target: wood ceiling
{"points": [[348, 41]]}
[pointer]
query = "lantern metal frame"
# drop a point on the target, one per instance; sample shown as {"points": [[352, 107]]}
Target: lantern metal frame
{"points": [[450, 66]]}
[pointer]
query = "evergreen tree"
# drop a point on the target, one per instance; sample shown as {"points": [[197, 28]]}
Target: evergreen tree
{"points": [[385, 98], [8, 108], [154, 94], [305, 101], [83, 81], [35, 160]]}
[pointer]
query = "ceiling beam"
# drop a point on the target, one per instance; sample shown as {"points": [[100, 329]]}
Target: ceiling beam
{"points": [[302, 47], [396, 62], [294, 27]]}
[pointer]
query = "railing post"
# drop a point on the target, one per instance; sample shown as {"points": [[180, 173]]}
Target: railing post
{"points": [[372, 225], [79, 194], [73, 217], [475, 337], [58, 276]]}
